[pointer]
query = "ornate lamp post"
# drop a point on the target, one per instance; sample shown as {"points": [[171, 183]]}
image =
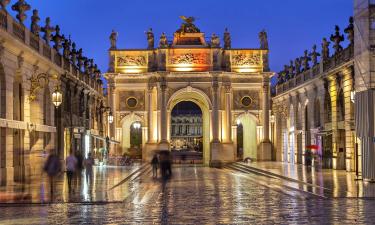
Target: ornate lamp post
{"points": [[110, 117], [57, 97], [57, 100]]}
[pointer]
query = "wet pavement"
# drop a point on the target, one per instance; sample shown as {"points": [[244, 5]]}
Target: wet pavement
{"points": [[338, 183], [194, 195]]}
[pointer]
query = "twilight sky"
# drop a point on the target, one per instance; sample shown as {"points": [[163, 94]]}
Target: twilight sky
{"points": [[292, 25]]}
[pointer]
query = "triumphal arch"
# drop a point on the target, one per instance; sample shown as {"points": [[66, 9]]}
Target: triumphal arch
{"points": [[230, 85]]}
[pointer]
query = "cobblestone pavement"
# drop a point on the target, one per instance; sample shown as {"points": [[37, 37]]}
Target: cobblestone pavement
{"points": [[199, 195]]}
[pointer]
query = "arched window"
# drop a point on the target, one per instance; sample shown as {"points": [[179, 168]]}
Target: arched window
{"points": [[47, 104], [327, 108], [317, 113], [341, 106], [2, 93], [18, 101]]}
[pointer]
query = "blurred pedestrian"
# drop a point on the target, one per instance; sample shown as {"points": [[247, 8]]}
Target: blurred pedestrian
{"points": [[155, 164], [71, 167], [165, 164], [88, 163], [52, 167], [79, 158]]}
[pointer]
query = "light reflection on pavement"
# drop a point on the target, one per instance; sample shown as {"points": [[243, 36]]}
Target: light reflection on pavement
{"points": [[195, 195]]}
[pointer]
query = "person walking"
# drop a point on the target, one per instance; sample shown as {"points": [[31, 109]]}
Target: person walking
{"points": [[155, 164], [88, 163], [52, 167], [71, 166]]}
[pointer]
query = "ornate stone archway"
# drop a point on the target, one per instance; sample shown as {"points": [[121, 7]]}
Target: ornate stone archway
{"points": [[126, 122], [251, 134], [203, 101]]}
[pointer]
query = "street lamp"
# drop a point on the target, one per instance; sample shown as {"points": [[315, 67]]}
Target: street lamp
{"points": [[137, 125], [352, 95], [57, 97], [110, 117]]}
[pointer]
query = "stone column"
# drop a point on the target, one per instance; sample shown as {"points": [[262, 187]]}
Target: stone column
{"points": [[228, 113], [215, 111], [163, 113], [266, 109], [265, 152], [112, 104], [150, 112]]}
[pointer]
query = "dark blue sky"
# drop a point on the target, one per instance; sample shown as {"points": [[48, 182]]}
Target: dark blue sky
{"points": [[292, 25]]}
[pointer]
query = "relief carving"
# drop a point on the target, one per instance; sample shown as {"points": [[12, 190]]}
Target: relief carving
{"points": [[190, 58], [131, 101], [246, 60], [240, 97], [131, 61]]}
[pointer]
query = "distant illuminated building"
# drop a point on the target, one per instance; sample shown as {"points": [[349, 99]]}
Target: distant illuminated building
{"points": [[186, 129]]}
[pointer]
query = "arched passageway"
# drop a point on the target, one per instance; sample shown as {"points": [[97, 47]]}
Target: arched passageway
{"points": [[186, 132], [133, 137], [201, 100], [248, 124]]}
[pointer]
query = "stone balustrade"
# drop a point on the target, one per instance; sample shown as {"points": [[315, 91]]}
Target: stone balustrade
{"points": [[318, 70]]}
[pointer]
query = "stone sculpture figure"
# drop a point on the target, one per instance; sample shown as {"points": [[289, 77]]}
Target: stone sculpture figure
{"points": [[297, 63], [66, 45], [314, 55], [48, 29], [215, 41], [86, 65], [325, 49], [281, 78], [21, 7], [286, 72], [163, 42], [188, 26], [35, 28], [73, 54], [305, 61], [113, 39], [4, 4], [337, 39], [150, 39], [350, 30], [291, 69], [227, 39], [57, 38], [263, 39], [80, 58]]}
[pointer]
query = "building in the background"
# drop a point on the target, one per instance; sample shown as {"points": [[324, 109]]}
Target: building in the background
{"points": [[51, 98], [325, 109], [186, 131], [227, 84]]}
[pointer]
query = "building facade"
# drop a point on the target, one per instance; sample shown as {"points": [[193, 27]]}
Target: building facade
{"points": [[227, 84], [314, 112], [186, 131], [31, 71], [325, 107]]}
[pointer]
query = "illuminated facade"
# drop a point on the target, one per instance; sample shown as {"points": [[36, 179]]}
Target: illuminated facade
{"points": [[326, 109], [228, 85], [31, 126]]}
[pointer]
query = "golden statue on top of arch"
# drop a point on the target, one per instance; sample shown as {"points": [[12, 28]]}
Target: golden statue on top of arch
{"points": [[188, 26]]}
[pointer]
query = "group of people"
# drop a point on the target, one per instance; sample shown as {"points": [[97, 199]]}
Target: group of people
{"points": [[73, 166], [164, 162]]}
